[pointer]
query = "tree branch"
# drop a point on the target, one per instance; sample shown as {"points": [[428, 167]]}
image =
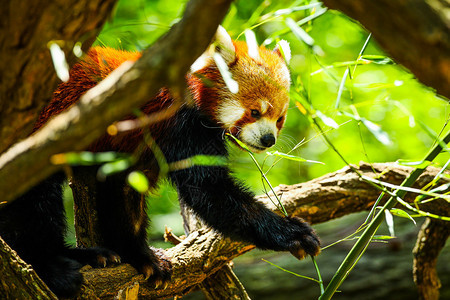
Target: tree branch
{"points": [[414, 33], [223, 284], [19, 280], [430, 241], [163, 64], [204, 251], [27, 76]]}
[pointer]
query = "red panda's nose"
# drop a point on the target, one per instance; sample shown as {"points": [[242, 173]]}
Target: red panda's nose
{"points": [[267, 140]]}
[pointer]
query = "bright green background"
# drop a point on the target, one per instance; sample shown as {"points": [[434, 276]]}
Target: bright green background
{"points": [[407, 113]]}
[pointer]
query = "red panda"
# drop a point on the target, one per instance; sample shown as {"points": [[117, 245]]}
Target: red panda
{"points": [[254, 113]]}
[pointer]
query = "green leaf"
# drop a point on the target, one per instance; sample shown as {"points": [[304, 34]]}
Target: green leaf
{"points": [[114, 167], [403, 214], [86, 158], [59, 61], [209, 160], [299, 33], [290, 272], [327, 120], [292, 157], [341, 87], [383, 237], [376, 237], [288, 11], [376, 130], [411, 163], [390, 222], [380, 85], [232, 84], [198, 160], [241, 144], [378, 59], [138, 181]]}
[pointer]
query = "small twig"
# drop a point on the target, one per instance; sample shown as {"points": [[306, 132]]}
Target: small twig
{"points": [[170, 237]]}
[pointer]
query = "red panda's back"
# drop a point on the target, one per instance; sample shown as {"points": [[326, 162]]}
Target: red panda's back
{"points": [[87, 73]]}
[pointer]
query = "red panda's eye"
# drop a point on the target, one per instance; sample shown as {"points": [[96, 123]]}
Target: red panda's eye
{"points": [[280, 119], [255, 114]]}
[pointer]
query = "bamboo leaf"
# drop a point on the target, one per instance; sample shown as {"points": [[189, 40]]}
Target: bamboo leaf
{"points": [[241, 144], [292, 157], [378, 59], [411, 163], [403, 214], [376, 130], [290, 272], [113, 167], [390, 222], [59, 61], [288, 11], [232, 84], [86, 158], [299, 33], [327, 120]]}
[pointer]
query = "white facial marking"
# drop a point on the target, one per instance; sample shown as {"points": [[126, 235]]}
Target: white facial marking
{"points": [[229, 112], [251, 133]]}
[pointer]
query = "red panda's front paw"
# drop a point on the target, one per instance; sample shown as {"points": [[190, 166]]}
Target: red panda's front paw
{"points": [[158, 269], [305, 241], [97, 257]]}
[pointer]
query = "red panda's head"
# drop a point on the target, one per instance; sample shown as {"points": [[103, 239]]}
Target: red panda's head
{"points": [[253, 106]]}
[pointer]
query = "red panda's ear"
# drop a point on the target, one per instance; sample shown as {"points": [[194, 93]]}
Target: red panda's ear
{"points": [[221, 44], [283, 50], [224, 45]]}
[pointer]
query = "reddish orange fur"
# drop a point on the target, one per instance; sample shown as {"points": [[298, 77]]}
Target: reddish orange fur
{"points": [[261, 84], [206, 86], [250, 89], [94, 67]]}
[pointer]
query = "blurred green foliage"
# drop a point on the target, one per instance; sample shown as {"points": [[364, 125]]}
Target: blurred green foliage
{"points": [[384, 114]]}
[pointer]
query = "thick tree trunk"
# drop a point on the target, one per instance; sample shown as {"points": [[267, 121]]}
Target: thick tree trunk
{"points": [[430, 241], [26, 73], [85, 209], [224, 284]]}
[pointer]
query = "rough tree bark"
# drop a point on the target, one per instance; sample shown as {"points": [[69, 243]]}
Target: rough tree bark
{"points": [[223, 284], [415, 33], [204, 252], [19, 280], [430, 241], [26, 73]]}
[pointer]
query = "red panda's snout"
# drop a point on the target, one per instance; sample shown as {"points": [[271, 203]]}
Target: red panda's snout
{"points": [[256, 124], [259, 135]]}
